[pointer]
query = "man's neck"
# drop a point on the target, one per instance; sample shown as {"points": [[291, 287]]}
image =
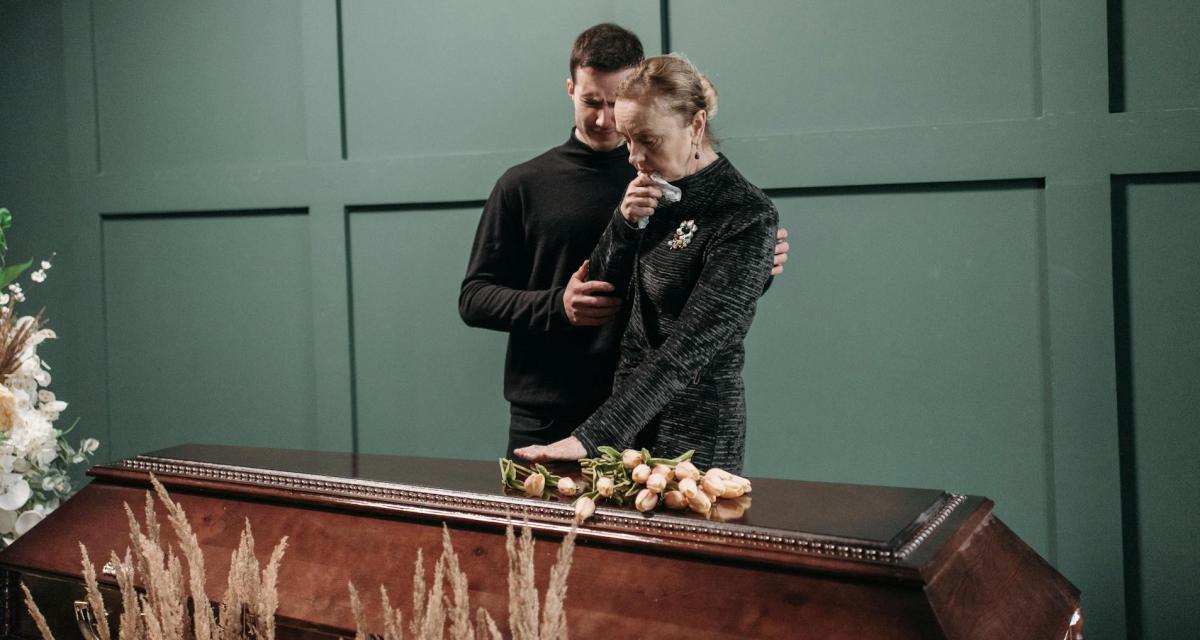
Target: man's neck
{"points": [[584, 142]]}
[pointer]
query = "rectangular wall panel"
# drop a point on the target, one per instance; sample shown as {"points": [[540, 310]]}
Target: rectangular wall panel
{"points": [[1162, 402], [209, 331], [452, 77], [902, 345], [1159, 62], [792, 67], [182, 84], [426, 384]]}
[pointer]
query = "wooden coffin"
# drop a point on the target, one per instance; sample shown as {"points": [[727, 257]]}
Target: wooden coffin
{"points": [[804, 560]]}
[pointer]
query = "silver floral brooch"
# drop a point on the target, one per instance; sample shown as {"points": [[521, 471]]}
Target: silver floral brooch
{"points": [[683, 235]]}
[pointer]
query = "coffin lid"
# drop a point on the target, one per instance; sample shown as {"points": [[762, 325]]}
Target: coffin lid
{"points": [[786, 521]]}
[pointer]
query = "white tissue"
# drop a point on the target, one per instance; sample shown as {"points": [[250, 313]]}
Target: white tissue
{"points": [[670, 193]]}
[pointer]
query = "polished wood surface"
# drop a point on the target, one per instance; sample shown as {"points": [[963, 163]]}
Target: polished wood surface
{"points": [[872, 515], [805, 560]]}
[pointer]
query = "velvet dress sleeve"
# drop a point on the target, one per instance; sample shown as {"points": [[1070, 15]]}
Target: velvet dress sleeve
{"points": [[736, 268], [612, 259]]}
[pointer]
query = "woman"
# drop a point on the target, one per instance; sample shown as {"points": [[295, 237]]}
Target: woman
{"points": [[693, 275]]}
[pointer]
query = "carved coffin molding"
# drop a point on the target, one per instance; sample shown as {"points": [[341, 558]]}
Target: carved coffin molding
{"points": [[662, 525]]}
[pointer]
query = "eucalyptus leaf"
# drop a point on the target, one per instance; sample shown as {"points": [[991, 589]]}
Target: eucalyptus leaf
{"points": [[5, 223], [8, 274]]}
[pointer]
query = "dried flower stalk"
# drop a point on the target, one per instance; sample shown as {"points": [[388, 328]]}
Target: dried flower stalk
{"points": [[203, 622], [14, 338], [434, 613], [95, 600], [522, 591], [554, 616], [484, 621], [36, 614]]}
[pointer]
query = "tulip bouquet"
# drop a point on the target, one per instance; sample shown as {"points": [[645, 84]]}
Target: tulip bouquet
{"points": [[620, 477], [35, 457]]}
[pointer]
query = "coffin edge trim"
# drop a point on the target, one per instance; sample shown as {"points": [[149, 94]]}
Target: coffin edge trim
{"points": [[734, 535]]}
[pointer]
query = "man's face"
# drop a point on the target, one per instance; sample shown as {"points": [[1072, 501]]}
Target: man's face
{"points": [[594, 94]]}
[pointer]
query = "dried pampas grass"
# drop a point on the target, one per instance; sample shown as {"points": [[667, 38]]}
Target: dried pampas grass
{"points": [[36, 614], [164, 610], [434, 612], [175, 607]]}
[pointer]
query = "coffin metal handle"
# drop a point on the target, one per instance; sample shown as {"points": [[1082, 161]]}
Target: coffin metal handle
{"points": [[86, 620]]}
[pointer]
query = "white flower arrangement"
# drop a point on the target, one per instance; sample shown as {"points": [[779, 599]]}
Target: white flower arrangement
{"points": [[35, 457]]}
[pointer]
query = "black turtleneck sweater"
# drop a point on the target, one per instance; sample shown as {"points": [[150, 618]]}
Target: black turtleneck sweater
{"points": [[540, 223]]}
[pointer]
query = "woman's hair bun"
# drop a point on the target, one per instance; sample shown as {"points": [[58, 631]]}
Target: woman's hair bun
{"points": [[710, 95], [677, 83]]}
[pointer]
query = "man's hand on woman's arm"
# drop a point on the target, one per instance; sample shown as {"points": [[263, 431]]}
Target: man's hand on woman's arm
{"points": [[589, 303], [781, 251]]}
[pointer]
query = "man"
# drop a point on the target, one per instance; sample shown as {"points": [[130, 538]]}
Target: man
{"points": [[528, 272]]}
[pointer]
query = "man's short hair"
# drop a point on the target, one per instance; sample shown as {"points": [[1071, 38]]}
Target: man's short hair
{"points": [[606, 47]]}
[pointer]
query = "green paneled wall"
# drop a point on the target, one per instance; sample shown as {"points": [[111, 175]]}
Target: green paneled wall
{"points": [[425, 383], [781, 69], [903, 344], [209, 325], [217, 83], [1160, 63], [1160, 217], [948, 319]]}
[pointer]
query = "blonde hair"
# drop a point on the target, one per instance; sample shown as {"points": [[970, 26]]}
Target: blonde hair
{"points": [[677, 84]]}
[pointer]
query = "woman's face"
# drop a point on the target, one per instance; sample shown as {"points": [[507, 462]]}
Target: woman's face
{"points": [[659, 141]]}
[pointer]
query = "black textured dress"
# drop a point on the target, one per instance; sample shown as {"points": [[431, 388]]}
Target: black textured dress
{"points": [[693, 277]]}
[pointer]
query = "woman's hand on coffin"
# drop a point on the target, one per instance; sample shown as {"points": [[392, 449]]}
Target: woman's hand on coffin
{"points": [[568, 448]]}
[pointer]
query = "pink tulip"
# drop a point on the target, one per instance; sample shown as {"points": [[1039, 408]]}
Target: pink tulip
{"points": [[686, 469], [688, 487], [604, 487], [640, 474], [566, 486], [656, 482], [712, 484], [675, 500], [584, 508], [646, 500], [700, 502], [535, 484]]}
